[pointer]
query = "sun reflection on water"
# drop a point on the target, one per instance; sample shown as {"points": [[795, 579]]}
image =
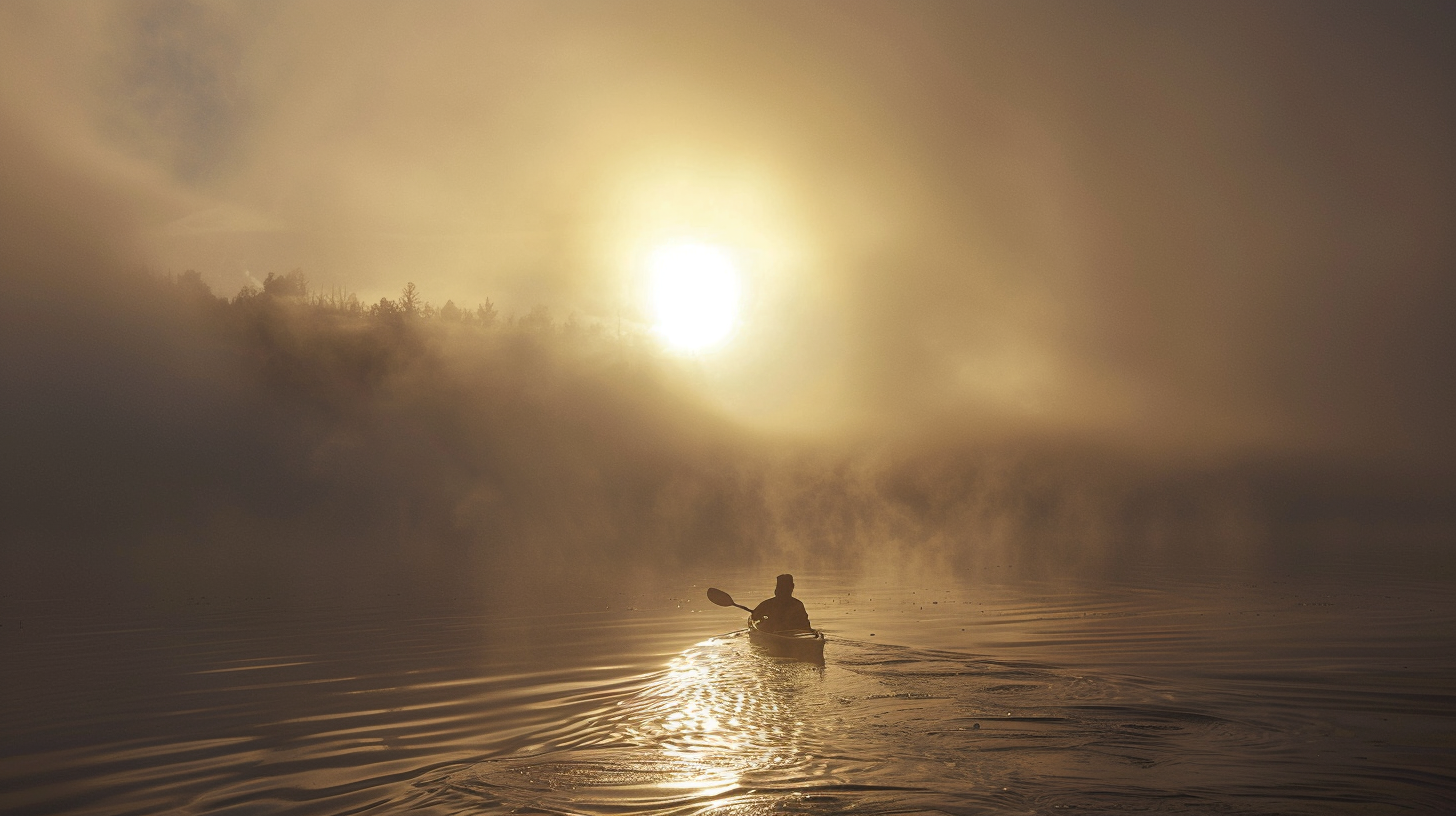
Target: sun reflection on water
{"points": [[720, 713]]}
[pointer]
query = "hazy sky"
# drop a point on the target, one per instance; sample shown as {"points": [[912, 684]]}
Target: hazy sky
{"points": [[1202, 227]]}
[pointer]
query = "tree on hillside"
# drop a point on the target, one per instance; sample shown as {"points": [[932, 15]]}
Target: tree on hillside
{"points": [[385, 309], [409, 300], [485, 313], [537, 320], [337, 301], [294, 284]]}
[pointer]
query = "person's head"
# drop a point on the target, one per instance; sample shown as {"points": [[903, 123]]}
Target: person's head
{"points": [[785, 586]]}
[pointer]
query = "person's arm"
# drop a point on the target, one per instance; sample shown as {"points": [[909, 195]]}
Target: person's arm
{"points": [[759, 613]]}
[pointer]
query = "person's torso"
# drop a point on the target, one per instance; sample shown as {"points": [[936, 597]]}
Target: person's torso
{"points": [[784, 613]]}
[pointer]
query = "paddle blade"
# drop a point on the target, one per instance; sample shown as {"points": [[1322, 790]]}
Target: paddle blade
{"points": [[720, 597]]}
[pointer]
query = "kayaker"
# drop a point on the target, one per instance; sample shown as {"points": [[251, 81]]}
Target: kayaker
{"points": [[783, 611]]}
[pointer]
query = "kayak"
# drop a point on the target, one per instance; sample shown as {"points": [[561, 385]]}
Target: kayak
{"points": [[800, 644]]}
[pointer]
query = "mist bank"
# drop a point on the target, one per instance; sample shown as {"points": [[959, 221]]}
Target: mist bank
{"points": [[161, 436], [1217, 226]]}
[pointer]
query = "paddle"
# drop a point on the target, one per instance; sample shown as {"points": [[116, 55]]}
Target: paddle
{"points": [[722, 598]]}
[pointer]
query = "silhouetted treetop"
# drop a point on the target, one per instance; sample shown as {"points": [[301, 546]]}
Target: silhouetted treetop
{"points": [[294, 284], [290, 293], [410, 302], [485, 313]]}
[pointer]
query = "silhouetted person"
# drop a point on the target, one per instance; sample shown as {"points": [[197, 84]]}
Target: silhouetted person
{"points": [[783, 611]]}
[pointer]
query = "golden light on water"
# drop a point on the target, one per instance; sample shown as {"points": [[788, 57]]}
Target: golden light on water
{"points": [[700, 729], [695, 290]]}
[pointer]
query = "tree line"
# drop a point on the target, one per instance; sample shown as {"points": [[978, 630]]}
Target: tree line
{"points": [[293, 289]]}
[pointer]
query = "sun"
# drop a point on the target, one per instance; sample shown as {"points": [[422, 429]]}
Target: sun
{"points": [[695, 294]]}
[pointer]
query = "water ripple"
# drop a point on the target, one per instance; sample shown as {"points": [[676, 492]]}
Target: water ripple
{"points": [[1187, 700]]}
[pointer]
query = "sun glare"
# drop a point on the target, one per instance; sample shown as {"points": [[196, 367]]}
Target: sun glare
{"points": [[695, 290]]}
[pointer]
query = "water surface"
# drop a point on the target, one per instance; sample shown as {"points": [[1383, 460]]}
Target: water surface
{"points": [[981, 695]]}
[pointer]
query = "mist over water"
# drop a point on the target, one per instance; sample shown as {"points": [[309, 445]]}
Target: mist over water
{"points": [[272, 443], [1091, 370]]}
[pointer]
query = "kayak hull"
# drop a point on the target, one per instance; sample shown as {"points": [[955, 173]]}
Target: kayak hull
{"points": [[799, 644]]}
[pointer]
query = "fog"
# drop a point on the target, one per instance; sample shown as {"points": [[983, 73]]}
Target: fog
{"points": [[1067, 288]]}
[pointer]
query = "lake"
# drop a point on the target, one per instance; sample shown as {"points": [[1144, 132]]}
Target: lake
{"points": [[975, 693]]}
